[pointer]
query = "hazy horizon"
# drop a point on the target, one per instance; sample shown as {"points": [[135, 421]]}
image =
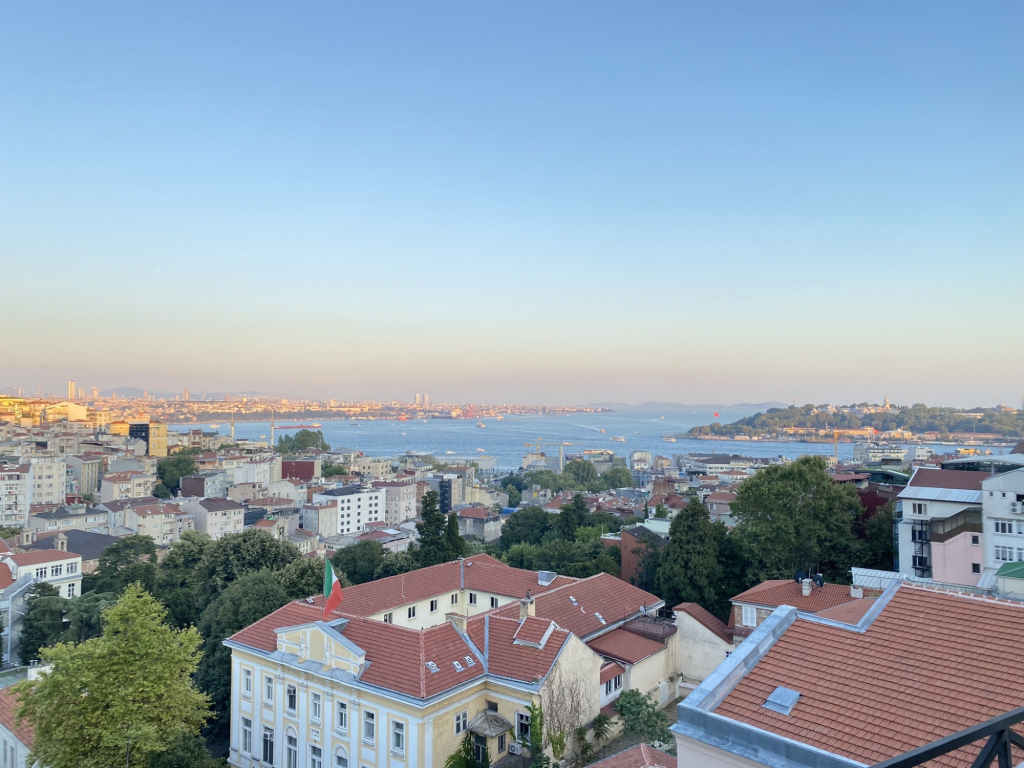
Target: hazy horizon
{"points": [[568, 204]]}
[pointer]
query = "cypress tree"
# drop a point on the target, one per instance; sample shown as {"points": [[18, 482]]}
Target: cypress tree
{"points": [[689, 570]]}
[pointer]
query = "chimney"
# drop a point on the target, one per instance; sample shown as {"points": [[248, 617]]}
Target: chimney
{"points": [[458, 621], [805, 587], [857, 592], [527, 606], [62, 542]]}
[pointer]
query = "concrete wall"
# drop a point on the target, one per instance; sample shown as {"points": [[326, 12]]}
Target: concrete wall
{"points": [[952, 559], [699, 649]]}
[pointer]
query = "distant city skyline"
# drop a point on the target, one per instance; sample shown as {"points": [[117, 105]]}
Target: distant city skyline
{"points": [[690, 202]]}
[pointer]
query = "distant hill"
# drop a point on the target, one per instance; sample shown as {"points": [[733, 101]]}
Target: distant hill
{"points": [[158, 393], [652, 405]]}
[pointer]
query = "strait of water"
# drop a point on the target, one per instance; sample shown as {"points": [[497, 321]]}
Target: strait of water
{"points": [[506, 439]]}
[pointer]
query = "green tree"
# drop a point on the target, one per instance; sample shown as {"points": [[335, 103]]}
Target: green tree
{"points": [[660, 512], [689, 570], [525, 526], [43, 622], [877, 549], [617, 477], [641, 719], [535, 742], [250, 598], [231, 557], [735, 571], [580, 473], [187, 751], [331, 469], [127, 692], [359, 562], [173, 468], [522, 555], [176, 578], [302, 440], [435, 546], [464, 757], [456, 544], [565, 525], [792, 518], [131, 559], [648, 555], [578, 509], [304, 578], [393, 564]]}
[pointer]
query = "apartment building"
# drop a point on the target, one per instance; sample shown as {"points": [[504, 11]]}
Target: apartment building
{"points": [[132, 484], [70, 517], [14, 482], [215, 517], [407, 666], [87, 470], [940, 527], [1002, 505], [59, 568], [49, 480], [321, 519], [399, 500], [372, 466], [357, 506], [163, 522], [208, 484]]}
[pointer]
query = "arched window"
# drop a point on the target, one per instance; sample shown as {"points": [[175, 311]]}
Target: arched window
{"points": [[291, 748], [340, 758]]}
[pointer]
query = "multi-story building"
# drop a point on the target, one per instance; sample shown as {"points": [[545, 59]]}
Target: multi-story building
{"points": [[321, 518], [399, 500], [372, 466], [639, 461], [14, 494], [49, 481], [59, 568], [162, 522], [216, 517], [939, 528], [87, 470], [357, 506], [70, 517], [876, 453], [132, 484], [1002, 505], [152, 433], [259, 473], [208, 484], [406, 667]]}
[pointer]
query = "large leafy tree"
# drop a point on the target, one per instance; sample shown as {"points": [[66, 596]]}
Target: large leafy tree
{"points": [[435, 545], [172, 469], [304, 577], [457, 546], [301, 440], [792, 518], [393, 564], [231, 557], [689, 570], [641, 719], [359, 562], [250, 598], [176, 578], [525, 526], [43, 622], [118, 698], [132, 559], [617, 477], [579, 473], [877, 540]]}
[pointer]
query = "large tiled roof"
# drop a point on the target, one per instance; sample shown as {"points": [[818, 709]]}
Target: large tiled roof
{"points": [[776, 592], [9, 706], [507, 659], [640, 756], [848, 613], [708, 619], [932, 663], [953, 479], [576, 606], [482, 573], [622, 645], [41, 556]]}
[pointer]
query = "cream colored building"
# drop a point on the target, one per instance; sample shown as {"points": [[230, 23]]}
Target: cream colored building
{"points": [[164, 523]]}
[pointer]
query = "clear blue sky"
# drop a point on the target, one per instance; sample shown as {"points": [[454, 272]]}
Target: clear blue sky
{"points": [[561, 202]]}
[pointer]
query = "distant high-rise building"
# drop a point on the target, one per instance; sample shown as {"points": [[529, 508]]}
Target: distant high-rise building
{"points": [[81, 393], [419, 399], [426, 399], [95, 393], [145, 394], [71, 390], [184, 394]]}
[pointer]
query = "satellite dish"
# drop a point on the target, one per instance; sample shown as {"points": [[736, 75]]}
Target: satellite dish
{"points": [[799, 577], [819, 580]]}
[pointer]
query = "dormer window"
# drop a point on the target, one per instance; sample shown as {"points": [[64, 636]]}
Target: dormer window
{"points": [[458, 667]]}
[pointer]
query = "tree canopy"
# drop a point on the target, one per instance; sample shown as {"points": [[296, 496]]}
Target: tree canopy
{"points": [[172, 469], [128, 691], [689, 570], [360, 561], [301, 440], [231, 557]]}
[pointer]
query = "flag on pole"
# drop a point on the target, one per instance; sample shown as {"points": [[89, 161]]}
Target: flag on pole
{"points": [[332, 589]]}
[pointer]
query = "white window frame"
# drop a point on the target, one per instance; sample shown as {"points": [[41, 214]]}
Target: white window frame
{"points": [[522, 725], [268, 689], [315, 707], [411, 612], [472, 598], [494, 602], [369, 727], [397, 737], [433, 606], [316, 756], [291, 698], [247, 683], [461, 722], [749, 618], [246, 744], [291, 749], [455, 598], [341, 713], [268, 737]]}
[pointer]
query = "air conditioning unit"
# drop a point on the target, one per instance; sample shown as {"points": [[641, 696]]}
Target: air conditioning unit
{"points": [[515, 749], [1017, 508]]}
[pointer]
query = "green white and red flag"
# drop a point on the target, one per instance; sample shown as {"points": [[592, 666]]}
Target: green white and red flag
{"points": [[332, 589]]}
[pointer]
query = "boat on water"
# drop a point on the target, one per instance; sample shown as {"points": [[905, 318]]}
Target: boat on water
{"points": [[565, 443], [450, 453], [669, 439], [215, 426], [480, 450], [602, 431], [403, 434], [481, 424], [618, 439]]}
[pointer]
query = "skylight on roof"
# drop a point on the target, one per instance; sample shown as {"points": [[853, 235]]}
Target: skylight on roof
{"points": [[600, 617], [573, 600], [458, 666], [782, 700], [432, 666], [470, 661]]}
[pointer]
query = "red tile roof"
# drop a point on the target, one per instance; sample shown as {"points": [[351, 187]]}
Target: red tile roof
{"points": [[610, 671], [726, 497], [477, 513], [482, 573], [776, 592], [9, 706], [6, 578], [532, 630], [932, 663], [40, 556], [517, 662], [601, 594], [625, 646], [640, 756], [956, 479], [708, 619], [848, 613]]}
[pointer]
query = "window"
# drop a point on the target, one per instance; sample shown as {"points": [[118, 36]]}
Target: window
{"points": [[608, 688], [268, 745], [433, 605], [522, 725], [56, 570], [501, 743], [41, 572], [618, 682], [340, 760], [1004, 554], [975, 541], [491, 706], [919, 508], [71, 589], [314, 707], [472, 598], [975, 567], [398, 738], [1004, 526], [291, 751], [494, 602], [461, 722], [388, 618], [268, 689], [316, 757], [749, 616], [342, 724], [247, 683], [411, 612], [246, 735], [455, 599], [290, 698], [369, 727]]}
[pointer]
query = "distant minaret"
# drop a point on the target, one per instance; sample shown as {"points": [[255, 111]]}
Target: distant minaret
{"points": [[232, 425], [271, 428]]}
